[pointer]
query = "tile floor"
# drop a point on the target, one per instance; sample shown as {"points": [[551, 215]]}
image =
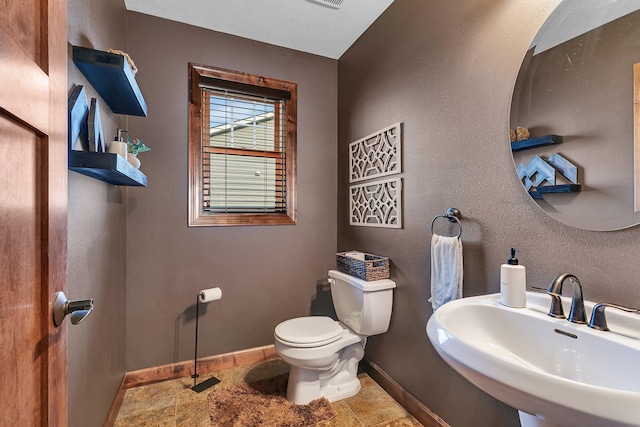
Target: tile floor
{"points": [[173, 403]]}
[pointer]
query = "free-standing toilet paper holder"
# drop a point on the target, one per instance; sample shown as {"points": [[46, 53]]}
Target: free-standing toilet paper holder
{"points": [[203, 296]]}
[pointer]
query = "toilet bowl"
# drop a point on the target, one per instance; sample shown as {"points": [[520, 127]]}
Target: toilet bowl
{"points": [[324, 353]]}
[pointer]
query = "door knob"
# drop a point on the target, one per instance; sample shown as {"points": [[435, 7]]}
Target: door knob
{"points": [[77, 309]]}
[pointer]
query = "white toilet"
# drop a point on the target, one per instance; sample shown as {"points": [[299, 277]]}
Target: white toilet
{"points": [[324, 353]]}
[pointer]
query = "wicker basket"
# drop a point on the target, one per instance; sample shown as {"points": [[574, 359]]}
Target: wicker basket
{"points": [[374, 267]]}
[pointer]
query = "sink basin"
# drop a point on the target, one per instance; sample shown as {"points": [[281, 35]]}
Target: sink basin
{"points": [[554, 372]]}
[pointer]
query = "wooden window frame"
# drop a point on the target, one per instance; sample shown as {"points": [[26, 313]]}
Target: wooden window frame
{"points": [[202, 76]]}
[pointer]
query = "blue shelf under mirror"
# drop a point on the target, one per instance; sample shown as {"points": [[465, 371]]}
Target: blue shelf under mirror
{"points": [[536, 142], [537, 192]]}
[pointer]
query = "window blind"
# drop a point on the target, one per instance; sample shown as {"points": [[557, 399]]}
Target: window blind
{"points": [[243, 153]]}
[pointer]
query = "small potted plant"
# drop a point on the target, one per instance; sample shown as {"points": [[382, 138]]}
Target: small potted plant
{"points": [[135, 147]]}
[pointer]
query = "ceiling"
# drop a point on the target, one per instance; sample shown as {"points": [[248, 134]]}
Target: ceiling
{"points": [[304, 25]]}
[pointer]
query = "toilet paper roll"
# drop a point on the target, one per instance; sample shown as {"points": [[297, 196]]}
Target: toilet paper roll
{"points": [[211, 294]]}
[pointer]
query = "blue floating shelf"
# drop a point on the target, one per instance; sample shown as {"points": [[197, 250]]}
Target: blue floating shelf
{"points": [[562, 188], [107, 167], [536, 142], [111, 75], [537, 192]]}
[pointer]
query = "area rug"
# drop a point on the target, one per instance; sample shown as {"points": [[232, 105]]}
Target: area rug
{"points": [[263, 404]]}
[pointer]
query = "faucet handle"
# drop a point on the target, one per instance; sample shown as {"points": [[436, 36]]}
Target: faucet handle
{"points": [[555, 310], [598, 319], [555, 292]]}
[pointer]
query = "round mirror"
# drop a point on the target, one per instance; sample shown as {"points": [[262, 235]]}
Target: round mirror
{"points": [[574, 100]]}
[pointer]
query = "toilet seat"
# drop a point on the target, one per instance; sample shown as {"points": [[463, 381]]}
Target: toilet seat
{"points": [[311, 331]]}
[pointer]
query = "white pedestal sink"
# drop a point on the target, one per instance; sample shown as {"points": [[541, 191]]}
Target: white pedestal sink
{"points": [[554, 372]]}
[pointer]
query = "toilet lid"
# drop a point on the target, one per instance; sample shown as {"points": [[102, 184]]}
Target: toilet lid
{"points": [[309, 331]]}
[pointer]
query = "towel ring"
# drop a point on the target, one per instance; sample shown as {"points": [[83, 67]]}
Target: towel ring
{"points": [[452, 215]]}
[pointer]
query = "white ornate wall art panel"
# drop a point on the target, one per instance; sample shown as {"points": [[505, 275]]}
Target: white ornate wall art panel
{"points": [[376, 203], [376, 155]]}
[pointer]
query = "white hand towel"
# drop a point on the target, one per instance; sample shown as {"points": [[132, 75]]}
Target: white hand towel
{"points": [[446, 270]]}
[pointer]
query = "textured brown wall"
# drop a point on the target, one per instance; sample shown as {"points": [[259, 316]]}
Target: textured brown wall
{"points": [[446, 70], [96, 240], [267, 273]]}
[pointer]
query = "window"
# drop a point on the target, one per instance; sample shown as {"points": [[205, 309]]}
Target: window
{"points": [[242, 148]]}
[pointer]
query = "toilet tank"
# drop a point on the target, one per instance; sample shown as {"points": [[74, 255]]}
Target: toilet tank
{"points": [[365, 307]]}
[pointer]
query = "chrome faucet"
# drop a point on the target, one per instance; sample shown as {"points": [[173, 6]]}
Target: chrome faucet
{"points": [[576, 315]]}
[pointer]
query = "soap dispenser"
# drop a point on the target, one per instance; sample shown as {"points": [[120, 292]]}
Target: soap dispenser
{"points": [[513, 283], [118, 146]]}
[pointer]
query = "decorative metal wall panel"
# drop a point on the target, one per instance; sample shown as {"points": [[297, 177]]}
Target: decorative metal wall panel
{"points": [[376, 155], [377, 204]]}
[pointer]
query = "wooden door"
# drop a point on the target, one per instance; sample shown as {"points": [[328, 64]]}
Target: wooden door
{"points": [[33, 211]]}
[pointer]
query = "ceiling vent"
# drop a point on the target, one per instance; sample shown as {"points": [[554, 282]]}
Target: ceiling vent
{"points": [[331, 3]]}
